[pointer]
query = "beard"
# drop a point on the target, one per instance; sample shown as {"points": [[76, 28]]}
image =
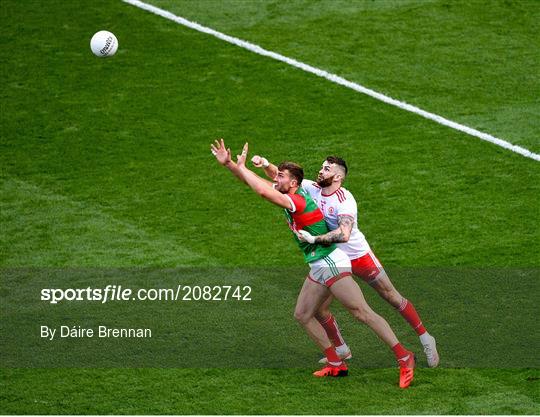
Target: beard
{"points": [[325, 182]]}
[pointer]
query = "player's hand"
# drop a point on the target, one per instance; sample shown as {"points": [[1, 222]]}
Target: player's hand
{"points": [[222, 154], [241, 159], [305, 236], [259, 161]]}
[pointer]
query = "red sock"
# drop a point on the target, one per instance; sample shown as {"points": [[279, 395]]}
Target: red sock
{"points": [[332, 356], [407, 310], [400, 351], [332, 330]]}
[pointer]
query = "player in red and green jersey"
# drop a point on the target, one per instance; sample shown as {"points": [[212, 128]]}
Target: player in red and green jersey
{"points": [[330, 267], [307, 216]]}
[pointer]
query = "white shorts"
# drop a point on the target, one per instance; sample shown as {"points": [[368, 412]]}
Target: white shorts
{"points": [[326, 271]]}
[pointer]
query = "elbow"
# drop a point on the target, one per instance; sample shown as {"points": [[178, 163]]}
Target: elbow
{"points": [[345, 237]]}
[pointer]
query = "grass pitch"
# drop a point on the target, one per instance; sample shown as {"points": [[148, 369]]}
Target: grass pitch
{"points": [[105, 163]]}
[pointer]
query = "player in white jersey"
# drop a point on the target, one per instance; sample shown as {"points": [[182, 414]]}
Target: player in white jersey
{"points": [[341, 215], [334, 206]]}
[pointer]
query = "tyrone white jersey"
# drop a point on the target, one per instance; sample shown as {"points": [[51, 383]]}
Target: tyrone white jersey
{"points": [[339, 203]]}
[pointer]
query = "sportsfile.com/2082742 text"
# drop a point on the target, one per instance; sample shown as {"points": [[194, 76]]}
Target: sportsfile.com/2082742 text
{"points": [[120, 293]]}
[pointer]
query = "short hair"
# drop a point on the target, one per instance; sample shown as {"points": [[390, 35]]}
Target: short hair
{"points": [[295, 170], [338, 161]]}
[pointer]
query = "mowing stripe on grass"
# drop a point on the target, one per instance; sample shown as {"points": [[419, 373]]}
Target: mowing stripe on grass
{"points": [[78, 232], [335, 79]]}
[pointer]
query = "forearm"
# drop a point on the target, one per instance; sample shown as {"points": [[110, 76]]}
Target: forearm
{"points": [[243, 174], [271, 171], [256, 183], [231, 166], [341, 234], [264, 188], [261, 186], [335, 236]]}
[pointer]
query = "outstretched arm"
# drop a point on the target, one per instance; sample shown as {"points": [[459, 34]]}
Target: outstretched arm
{"points": [[261, 186], [340, 235], [269, 169], [223, 156]]}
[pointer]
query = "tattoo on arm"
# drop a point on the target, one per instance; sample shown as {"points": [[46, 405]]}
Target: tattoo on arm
{"points": [[331, 237], [341, 234]]}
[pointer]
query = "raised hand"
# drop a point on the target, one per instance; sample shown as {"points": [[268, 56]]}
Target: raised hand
{"points": [[222, 154], [257, 161], [241, 159]]}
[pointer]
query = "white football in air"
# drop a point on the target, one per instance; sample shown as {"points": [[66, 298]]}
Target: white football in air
{"points": [[104, 44]]}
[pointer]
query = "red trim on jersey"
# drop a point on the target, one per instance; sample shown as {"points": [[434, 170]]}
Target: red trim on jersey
{"points": [[328, 195], [340, 195], [307, 219], [299, 202]]}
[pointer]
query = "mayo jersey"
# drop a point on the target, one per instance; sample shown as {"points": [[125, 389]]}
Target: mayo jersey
{"points": [[340, 202], [305, 215]]}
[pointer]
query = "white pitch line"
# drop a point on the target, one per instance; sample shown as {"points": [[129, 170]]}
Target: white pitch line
{"points": [[335, 79]]}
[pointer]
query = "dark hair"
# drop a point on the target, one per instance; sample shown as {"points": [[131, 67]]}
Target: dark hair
{"points": [[295, 170], [338, 161]]}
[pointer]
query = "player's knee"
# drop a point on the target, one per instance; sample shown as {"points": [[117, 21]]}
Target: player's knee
{"points": [[301, 316]]}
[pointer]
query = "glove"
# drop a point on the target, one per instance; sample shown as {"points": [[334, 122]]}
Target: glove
{"points": [[306, 236]]}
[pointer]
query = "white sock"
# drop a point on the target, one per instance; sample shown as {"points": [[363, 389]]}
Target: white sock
{"points": [[343, 349], [425, 338]]}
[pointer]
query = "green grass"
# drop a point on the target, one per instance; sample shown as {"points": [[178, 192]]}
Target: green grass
{"points": [[105, 163], [470, 61], [259, 391]]}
